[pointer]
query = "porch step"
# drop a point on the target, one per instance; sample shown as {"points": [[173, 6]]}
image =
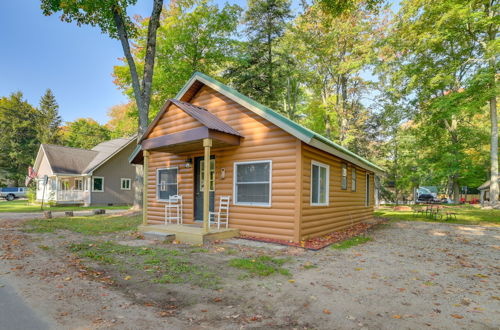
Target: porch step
{"points": [[159, 236], [189, 233]]}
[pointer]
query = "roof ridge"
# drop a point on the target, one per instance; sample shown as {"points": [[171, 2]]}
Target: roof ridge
{"points": [[68, 147]]}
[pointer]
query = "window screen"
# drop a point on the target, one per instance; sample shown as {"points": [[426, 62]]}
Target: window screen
{"points": [[167, 183], [253, 183]]}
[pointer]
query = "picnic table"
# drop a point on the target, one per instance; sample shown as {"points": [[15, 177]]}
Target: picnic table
{"points": [[434, 211]]}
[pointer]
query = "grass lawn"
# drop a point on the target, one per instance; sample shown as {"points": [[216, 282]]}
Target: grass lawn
{"points": [[157, 264], [466, 214], [261, 266], [350, 242], [92, 225], [22, 206]]}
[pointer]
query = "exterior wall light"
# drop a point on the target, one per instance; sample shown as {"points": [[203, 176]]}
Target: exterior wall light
{"points": [[189, 162]]}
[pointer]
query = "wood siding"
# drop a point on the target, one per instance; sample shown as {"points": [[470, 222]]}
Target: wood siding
{"points": [[345, 207], [262, 141]]}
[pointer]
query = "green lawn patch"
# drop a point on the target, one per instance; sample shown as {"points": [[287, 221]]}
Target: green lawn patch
{"points": [[92, 225], [466, 214], [22, 206], [261, 266], [158, 265], [348, 243]]}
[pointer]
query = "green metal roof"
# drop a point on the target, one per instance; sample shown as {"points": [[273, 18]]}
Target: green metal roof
{"points": [[295, 129]]}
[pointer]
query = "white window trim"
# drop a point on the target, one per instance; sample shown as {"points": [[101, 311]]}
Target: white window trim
{"points": [[313, 162], [92, 183], [367, 190], [76, 185], [235, 186], [129, 184], [156, 181]]}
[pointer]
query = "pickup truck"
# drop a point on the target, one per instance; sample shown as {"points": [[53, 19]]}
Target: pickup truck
{"points": [[12, 193]]}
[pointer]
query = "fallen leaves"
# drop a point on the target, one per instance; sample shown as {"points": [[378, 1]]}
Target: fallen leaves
{"points": [[326, 311], [396, 316], [127, 278], [457, 316]]}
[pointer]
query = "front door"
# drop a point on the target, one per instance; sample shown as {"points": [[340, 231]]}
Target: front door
{"points": [[198, 186]]}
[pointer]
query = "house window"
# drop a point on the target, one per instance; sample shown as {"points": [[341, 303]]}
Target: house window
{"points": [[252, 183], [64, 185], [344, 177], [320, 185], [125, 183], [353, 179], [367, 194], [97, 184], [166, 183], [78, 184], [212, 175]]}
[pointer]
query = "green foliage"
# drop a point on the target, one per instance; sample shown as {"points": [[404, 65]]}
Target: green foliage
{"points": [[348, 243], [193, 36], [261, 266], [85, 133], [18, 138], [261, 71], [123, 120], [92, 225], [49, 121], [92, 12]]}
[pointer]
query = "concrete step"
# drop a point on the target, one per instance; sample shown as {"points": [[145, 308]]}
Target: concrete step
{"points": [[159, 236]]}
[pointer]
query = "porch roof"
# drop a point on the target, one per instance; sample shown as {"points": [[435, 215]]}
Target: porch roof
{"points": [[222, 134]]}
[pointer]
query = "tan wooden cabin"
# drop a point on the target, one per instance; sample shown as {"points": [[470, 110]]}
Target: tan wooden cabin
{"points": [[285, 181]]}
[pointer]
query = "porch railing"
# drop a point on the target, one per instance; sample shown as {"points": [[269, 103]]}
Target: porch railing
{"points": [[69, 195]]}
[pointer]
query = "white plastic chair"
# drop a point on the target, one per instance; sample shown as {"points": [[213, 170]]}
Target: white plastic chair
{"points": [[173, 210], [222, 216]]}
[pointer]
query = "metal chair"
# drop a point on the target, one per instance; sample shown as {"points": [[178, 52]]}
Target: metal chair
{"points": [[173, 210], [222, 216]]}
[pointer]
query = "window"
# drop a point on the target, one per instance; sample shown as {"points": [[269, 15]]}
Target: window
{"points": [[64, 185], [252, 183], [166, 183], [125, 183], [79, 184], [353, 179], [320, 186], [367, 194], [344, 177], [97, 184], [212, 175]]}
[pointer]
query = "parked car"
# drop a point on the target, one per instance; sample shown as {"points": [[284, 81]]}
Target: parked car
{"points": [[425, 198], [12, 193]]}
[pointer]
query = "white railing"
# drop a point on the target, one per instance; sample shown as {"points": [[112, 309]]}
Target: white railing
{"points": [[70, 196]]}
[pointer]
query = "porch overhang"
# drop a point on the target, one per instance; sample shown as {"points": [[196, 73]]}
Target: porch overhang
{"points": [[185, 141]]}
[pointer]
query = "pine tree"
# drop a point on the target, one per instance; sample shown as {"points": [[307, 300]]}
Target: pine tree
{"points": [[49, 121], [259, 73]]}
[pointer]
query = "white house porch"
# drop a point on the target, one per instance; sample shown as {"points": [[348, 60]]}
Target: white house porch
{"points": [[64, 190]]}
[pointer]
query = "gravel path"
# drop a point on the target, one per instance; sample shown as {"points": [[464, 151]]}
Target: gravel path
{"points": [[412, 275]]}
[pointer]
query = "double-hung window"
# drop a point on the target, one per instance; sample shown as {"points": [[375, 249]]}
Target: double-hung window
{"points": [[252, 183], [353, 179], [166, 183], [344, 177], [79, 184], [320, 183], [125, 183]]}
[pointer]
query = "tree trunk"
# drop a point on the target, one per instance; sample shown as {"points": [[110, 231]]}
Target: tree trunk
{"points": [[142, 91], [494, 187]]}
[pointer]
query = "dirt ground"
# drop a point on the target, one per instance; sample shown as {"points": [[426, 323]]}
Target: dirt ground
{"points": [[411, 275]]}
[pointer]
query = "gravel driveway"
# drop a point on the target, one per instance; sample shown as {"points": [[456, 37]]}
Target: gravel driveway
{"points": [[412, 275]]}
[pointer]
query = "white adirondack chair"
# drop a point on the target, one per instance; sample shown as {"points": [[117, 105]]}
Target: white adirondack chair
{"points": [[222, 216], [173, 210]]}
